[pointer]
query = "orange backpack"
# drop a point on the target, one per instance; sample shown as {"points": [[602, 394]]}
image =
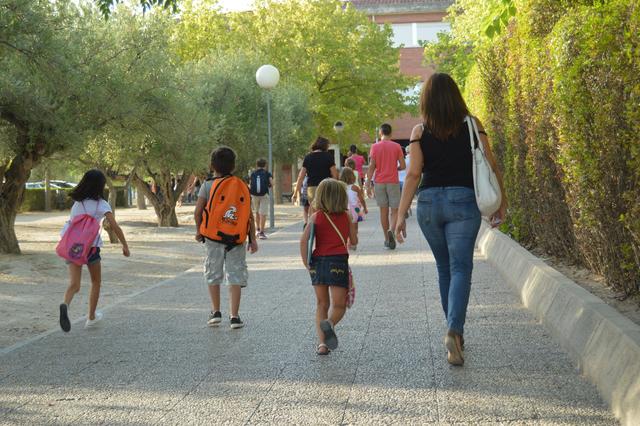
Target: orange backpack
{"points": [[225, 218]]}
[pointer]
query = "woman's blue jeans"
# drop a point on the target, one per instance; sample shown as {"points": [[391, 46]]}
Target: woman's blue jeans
{"points": [[449, 219]]}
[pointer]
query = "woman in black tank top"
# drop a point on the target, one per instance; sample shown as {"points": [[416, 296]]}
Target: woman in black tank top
{"points": [[447, 211]]}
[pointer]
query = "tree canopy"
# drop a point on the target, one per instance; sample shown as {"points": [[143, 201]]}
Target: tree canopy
{"points": [[105, 6], [149, 95], [345, 63]]}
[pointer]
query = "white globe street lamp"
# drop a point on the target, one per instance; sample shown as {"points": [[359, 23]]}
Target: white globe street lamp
{"points": [[267, 77]]}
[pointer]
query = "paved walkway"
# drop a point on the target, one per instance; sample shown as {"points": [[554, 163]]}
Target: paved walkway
{"points": [[155, 361]]}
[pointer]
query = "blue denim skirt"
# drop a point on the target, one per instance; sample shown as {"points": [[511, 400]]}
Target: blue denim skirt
{"points": [[330, 270]]}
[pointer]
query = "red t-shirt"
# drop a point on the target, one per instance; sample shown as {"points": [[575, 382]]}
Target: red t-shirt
{"points": [[359, 160], [328, 243], [386, 154]]}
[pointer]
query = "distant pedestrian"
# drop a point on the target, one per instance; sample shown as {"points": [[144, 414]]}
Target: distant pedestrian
{"points": [[329, 260], [402, 174], [260, 182], [196, 189], [385, 160], [355, 194], [359, 163], [224, 223], [447, 211], [301, 196], [317, 166], [87, 197], [352, 165]]}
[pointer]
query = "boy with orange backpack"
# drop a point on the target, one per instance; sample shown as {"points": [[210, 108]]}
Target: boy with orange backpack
{"points": [[224, 221]]}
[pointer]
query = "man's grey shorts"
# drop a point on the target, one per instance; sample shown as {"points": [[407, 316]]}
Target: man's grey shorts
{"points": [[225, 267], [260, 204], [387, 194]]}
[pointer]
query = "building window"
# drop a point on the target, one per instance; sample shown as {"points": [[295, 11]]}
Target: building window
{"points": [[415, 34], [402, 35], [428, 31]]}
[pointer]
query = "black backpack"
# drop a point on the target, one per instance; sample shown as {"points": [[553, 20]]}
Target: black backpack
{"points": [[259, 183]]}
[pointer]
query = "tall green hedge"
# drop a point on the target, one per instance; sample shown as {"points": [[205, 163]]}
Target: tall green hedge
{"points": [[560, 92]]}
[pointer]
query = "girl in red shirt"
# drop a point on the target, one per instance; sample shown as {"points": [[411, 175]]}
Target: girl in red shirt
{"points": [[328, 264]]}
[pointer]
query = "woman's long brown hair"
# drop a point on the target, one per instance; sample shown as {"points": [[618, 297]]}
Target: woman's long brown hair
{"points": [[442, 107]]}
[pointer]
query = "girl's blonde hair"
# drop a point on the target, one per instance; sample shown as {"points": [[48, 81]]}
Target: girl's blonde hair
{"points": [[347, 176], [331, 197]]}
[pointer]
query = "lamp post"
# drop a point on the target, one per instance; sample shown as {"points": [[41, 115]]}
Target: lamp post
{"points": [[267, 77], [338, 127]]}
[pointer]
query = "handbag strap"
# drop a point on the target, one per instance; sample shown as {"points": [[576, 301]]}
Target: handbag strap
{"points": [[474, 134], [337, 230]]}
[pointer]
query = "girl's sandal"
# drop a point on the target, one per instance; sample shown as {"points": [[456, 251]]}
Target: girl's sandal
{"points": [[322, 349], [330, 337]]}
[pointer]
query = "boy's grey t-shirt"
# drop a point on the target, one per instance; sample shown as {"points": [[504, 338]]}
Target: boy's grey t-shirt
{"points": [[205, 189]]}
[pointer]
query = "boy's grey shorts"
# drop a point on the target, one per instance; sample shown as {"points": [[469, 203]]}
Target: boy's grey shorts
{"points": [[387, 194], [220, 264]]}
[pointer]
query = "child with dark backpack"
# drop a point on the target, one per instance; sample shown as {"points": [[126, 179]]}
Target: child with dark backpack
{"points": [[261, 181], [223, 223], [328, 263], [80, 243]]}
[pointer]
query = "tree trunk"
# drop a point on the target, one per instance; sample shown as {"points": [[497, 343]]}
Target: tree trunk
{"points": [[127, 198], [163, 203], [113, 196], [140, 202], [8, 238], [15, 176], [47, 189]]}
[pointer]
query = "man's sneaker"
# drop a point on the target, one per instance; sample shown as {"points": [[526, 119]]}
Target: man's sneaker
{"points": [[392, 240], [236, 322], [65, 324], [215, 318], [93, 322], [262, 235], [386, 245]]}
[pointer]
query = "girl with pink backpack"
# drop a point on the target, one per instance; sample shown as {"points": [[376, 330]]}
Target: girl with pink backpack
{"points": [[80, 243]]}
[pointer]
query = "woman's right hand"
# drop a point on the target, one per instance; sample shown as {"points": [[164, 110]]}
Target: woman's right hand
{"points": [[401, 229], [498, 217]]}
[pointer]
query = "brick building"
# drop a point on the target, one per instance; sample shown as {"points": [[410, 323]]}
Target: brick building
{"points": [[412, 22]]}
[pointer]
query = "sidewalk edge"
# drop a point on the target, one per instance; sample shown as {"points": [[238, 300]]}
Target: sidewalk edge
{"points": [[604, 343]]}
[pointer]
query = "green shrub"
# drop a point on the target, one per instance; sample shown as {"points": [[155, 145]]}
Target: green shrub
{"points": [[560, 95]]}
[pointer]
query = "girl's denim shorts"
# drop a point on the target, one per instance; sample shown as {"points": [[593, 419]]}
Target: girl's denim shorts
{"points": [[330, 270], [94, 256]]}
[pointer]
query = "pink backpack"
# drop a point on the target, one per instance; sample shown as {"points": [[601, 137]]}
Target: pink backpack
{"points": [[77, 241]]}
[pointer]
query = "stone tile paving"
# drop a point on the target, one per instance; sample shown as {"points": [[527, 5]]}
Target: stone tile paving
{"points": [[155, 361]]}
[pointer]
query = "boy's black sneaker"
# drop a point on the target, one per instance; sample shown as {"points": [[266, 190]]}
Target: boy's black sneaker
{"points": [[65, 324], [235, 323], [215, 318]]}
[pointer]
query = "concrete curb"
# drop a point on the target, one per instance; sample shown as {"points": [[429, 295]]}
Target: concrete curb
{"points": [[605, 344]]}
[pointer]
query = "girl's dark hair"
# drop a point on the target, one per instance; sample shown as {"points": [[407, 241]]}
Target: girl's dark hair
{"points": [[321, 143], [442, 107], [91, 186], [223, 160]]}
